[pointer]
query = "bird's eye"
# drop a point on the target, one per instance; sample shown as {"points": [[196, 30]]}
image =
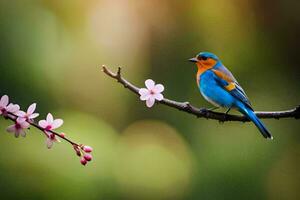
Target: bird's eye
{"points": [[202, 58]]}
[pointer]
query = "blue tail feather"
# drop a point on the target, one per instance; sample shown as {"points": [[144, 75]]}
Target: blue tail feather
{"points": [[258, 123]]}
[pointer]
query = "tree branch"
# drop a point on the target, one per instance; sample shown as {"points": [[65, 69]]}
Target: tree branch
{"points": [[14, 117], [187, 107]]}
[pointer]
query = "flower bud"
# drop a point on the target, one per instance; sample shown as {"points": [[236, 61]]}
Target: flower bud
{"points": [[87, 157], [87, 149], [83, 161]]}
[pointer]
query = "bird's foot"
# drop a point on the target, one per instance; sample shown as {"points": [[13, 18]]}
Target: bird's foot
{"points": [[208, 109], [204, 110], [225, 116]]}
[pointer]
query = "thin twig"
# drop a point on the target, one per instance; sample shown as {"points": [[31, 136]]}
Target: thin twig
{"points": [[13, 118], [187, 107]]}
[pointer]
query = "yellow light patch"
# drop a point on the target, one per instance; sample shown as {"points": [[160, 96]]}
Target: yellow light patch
{"points": [[230, 86]]}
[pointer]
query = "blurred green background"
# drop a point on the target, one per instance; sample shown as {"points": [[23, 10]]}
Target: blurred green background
{"points": [[51, 52]]}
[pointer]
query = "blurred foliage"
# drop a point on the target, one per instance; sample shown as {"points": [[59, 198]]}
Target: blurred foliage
{"points": [[51, 51]]}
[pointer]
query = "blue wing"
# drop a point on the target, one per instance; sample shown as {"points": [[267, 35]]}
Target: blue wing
{"points": [[225, 79]]}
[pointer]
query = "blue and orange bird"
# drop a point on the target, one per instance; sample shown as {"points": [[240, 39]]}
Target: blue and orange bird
{"points": [[218, 86]]}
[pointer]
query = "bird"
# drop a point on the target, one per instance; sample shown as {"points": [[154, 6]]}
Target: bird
{"points": [[219, 87]]}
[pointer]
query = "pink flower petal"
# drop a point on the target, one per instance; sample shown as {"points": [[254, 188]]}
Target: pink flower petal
{"points": [[143, 91], [159, 88], [158, 97], [49, 118], [149, 84], [43, 123], [57, 123], [31, 108], [20, 120], [17, 133], [145, 97], [22, 133], [25, 125], [145, 94], [49, 143], [20, 113], [34, 115], [13, 108], [150, 102], [4, 101], [11, 129]]}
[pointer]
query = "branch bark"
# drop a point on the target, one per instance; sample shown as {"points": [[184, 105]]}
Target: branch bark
{"points": [[203, 112]]}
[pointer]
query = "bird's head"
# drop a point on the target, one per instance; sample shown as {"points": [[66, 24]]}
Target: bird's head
{"points": [[205, 60]]}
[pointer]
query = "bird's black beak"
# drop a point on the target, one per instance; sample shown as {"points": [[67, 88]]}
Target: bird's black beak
{"points": [[193, 59]]}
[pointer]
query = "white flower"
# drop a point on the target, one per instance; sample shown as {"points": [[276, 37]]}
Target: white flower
{"points": [[48, 125], [151, 93], [29, 115], [18, 127]]}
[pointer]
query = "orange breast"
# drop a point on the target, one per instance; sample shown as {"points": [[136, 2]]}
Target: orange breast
{"points": [[201, 69], [199, 72]]}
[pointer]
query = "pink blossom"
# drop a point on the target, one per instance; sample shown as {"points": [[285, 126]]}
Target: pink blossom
{"points": [[151, 93], [6, 108], [18, 127], [48, 125], [51, 138], [3, 104], [13, 108], [29, 115]]}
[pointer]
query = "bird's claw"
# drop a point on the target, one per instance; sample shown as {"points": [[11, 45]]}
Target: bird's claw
{"points": [[204, 110]]}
